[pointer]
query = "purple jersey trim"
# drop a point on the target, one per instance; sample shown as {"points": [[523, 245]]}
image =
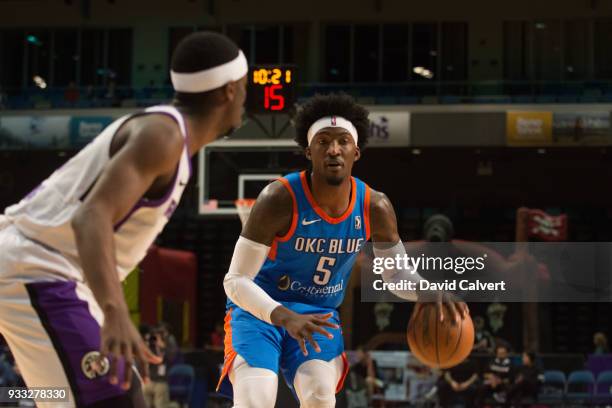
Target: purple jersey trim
{"points": [[74, 333], [143, 202], [187, 151]]}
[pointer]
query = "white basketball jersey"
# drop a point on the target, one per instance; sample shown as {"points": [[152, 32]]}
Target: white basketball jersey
{"points": [[45, 214]]}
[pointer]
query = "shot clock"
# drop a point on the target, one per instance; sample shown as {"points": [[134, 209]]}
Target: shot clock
{"points": [[271, 88]]}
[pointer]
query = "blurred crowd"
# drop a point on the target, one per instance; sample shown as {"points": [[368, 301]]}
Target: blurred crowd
{"points": [[162, 343], [494, 375]]}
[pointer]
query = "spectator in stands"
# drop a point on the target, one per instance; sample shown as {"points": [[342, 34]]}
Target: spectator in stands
{"points": [[458, 384], [4, 349], [144, 329], [526, 381], [601, 343], [150, 89], [216, 337], [71, 93], [111, 93], [17, 379], [365, 368], [9, 372], [172, 348], [156, 391], [483, 339], [111, 90], [90, 93], [356, 391], [496, 377]]}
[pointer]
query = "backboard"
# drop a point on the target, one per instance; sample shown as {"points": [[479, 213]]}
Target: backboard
{"points": [[239, 169]]}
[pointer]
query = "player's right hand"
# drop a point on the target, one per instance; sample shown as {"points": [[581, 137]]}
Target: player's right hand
{"points": [[448, 305], [120, 340], [302, 326]]}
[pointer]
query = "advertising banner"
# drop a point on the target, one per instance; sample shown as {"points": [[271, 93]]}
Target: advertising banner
{"points": [[34, 132], [528, 128], [84, 128], [389, 129], [582, 128]]}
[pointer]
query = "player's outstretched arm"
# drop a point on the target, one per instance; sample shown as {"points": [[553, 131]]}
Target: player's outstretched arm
{"points": [[270, 217], [387, 244], [146, 150]]}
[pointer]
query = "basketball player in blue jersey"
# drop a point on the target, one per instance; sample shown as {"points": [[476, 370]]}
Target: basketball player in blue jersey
{"points": [[66, 246], [292, 263]]}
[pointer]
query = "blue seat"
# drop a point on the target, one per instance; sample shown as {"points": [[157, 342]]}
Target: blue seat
{"points": [[83, 103], [545, 99], [522, 99], [553, 387], [386, 100], [580, 387], [567, 98], [451, 99], [603, 387], [21, 103], [181, 378], [589, 99], [409, 100]]}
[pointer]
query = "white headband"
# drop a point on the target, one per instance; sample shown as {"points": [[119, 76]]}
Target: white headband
{"points": [[211, 78], [331, 121]]}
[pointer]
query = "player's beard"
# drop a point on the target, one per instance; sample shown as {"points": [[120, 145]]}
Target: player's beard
{"points": [[334, 180]]}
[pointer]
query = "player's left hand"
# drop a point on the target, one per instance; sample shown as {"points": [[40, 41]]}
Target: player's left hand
{"points": [[302, 326], [121, 341]]}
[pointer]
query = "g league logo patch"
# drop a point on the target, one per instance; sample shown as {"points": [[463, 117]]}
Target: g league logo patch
{"points": [[357, 222], [94, 365]]}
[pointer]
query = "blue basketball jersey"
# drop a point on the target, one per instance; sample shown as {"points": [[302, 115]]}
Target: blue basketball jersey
{"points": [[312, 263]]}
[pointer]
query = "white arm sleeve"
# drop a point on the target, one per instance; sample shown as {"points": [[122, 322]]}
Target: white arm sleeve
{"points": [[248, 258], [394, 275]]}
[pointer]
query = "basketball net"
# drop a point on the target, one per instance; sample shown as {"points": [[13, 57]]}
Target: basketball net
{"points": [[244, 206]]}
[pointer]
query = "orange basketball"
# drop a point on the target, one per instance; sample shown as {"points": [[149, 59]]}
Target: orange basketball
{"points": [[439, 344]]}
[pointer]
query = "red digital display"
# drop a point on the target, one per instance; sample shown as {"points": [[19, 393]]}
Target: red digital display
{"points": [[274, 99], [271, 89]]}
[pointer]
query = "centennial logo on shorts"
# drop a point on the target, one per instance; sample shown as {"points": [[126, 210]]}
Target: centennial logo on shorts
{"points": [[357, 222], [94, 365], [284, 282]]}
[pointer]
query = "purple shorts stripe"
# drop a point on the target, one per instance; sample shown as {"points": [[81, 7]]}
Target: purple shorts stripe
{"points": [[74, 333]]}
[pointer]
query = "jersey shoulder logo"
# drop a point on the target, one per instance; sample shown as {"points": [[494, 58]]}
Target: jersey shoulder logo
{"points": [[357, 222], [308, 222]]}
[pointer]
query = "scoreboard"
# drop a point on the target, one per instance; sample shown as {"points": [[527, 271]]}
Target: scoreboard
{"points": [[271, 88]]}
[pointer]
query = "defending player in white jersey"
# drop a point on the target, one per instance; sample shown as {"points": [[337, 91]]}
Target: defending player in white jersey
{"points": [[69, 243]]}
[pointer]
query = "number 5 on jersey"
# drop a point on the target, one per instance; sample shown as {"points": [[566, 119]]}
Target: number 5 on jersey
{"points": [[322, 275]]}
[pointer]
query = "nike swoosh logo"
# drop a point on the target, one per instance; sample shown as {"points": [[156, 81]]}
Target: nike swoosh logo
{"points": [[182, 184], [304, 222]]}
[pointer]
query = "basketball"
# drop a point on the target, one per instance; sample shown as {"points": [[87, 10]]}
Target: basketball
{"points": [[439, 344]]}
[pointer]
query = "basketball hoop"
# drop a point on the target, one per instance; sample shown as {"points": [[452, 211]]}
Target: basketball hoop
{"points": [[244, 206]]}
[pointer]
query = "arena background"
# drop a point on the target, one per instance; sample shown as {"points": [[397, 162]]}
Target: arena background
{"points": [[67, 68]]}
